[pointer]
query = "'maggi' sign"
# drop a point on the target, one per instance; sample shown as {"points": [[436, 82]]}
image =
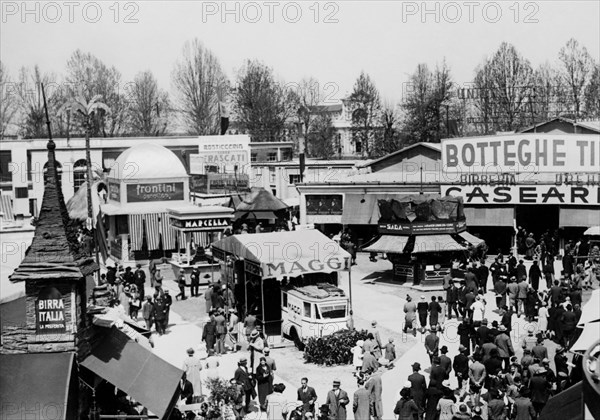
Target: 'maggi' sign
{"points": [[162, 191], [296, 268], [50, 312], [522, 152]]}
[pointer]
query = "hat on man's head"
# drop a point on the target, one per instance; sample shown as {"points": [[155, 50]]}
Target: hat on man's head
{"points": [[422, 297], [541, 371], [546, 361], [336, 381], [408, 384], [373, 323], [462, 348], [416, 366], [254, 333], [190, 351], [502, 328], [531, 329], [444, 349], [243, 359], [484, 321], [560, 349], [266, 350]]}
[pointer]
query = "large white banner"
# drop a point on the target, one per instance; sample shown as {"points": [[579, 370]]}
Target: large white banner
{"points": [[522, 153], [225, 153], [580, 195]]}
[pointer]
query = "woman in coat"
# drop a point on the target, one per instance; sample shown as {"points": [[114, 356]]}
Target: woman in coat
{"points": [[263, 373], [422, 308]]}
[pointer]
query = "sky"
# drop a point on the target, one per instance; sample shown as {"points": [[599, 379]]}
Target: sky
{"points": [[330, 41]]}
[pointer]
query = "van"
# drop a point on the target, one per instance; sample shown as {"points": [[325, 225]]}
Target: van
{"points": [[313, 311]]}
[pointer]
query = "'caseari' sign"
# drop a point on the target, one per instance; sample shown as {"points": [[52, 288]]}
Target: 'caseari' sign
{"points": [[162, 191], [522, 152], [525, 194], [296, 268]]}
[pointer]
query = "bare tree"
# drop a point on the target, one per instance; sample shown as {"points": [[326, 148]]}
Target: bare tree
{"points": [[263, 106], [389, 139], [365, 106], [149, 106], [201, 84], [320, 136], [8, 101], [548, 94], [592, 94], [577, 68], [88, 76], [309, 97]]}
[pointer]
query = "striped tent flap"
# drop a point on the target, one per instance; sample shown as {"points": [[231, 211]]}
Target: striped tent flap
{"points": [[136, 231], [167, 233], [152, 232], [201, 238]]}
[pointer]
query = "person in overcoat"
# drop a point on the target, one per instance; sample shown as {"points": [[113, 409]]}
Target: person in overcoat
{"points": [[242, 378], [209, 334], [375, 386], [337, 400], [361, 405], [418, 386], [263, 374]]}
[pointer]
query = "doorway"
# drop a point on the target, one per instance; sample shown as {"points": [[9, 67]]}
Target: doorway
{"points": [[537, 219]]}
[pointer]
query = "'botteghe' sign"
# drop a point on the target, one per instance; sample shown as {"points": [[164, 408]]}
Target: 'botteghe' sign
{"points": [[50, 312], [162, 191]]}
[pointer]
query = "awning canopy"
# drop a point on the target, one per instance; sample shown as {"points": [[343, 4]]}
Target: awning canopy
{"points": [[589, 336], [591, 310], [472, 239], [255, 215], [592, 231], [287, 254], [43, 380], [113, 209], [578, 217], [565, 405], [436, 243], [138, 372], [490, 216], [392, 244], [362, 209]]}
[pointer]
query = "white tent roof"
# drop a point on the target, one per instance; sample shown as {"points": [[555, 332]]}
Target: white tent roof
{"points": [[591, 310], [589, 336], [592, 231]]}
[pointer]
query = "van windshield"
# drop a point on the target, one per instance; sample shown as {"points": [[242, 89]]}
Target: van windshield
{"points": [[329, 311]]}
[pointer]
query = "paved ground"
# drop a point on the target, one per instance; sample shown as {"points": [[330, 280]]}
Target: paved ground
{"points": [[374, 298]]}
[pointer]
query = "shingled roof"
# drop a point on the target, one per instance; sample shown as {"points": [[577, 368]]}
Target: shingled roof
{"points": [[55, 252]]}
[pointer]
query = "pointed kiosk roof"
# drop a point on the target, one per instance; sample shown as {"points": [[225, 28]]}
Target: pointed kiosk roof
{"points": [[55, 252]]}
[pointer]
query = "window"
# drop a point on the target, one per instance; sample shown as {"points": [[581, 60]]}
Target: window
{"points": [[272, 157], [286, 155], [253, 156], [337, 310], [211, 169], [58, 169], [5, 173], [307, 311], [21, 192], [294, 179], [358, 147], [272, 175], [79, 173]]}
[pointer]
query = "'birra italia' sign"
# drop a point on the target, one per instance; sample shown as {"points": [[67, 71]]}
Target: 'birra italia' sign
{"points": [[50, 312]]}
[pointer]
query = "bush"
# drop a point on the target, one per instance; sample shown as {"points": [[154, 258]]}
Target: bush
{"points": [[333, 349]]}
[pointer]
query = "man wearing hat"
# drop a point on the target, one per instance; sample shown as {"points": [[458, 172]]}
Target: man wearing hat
{"points": [[337, 399], [192, 367], [432, 342], [242, 377], [140, 279], [418, 385], [233, 328], [461, 365], [256, 345], [445, 361], [221, 330], [540, 390], [562, 368], [530, 340], [272, 366], [505, 347]]}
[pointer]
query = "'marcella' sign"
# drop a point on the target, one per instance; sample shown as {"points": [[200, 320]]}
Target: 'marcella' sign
{"points": [[522, 152]]}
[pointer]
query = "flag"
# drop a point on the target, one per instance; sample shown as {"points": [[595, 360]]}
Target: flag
{"points": [[101, 237]]}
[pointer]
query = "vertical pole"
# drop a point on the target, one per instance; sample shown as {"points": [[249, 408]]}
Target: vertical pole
{"points": [[350, 291], [262, 304]]}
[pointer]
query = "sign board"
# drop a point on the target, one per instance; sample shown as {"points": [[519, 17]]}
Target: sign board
{"points": [[252, 268], [538, 152], [114, 192], [324, 204], [50, 312], [220, 183], [323, 218], [525, 194], [198, 225], [162, 191], [295, 268], [422, 228], [227, 154]]}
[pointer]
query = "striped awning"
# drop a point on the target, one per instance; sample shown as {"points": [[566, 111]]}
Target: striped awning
{"points": [[389, 244], [436, 243], [472, 239], [6, 208]]}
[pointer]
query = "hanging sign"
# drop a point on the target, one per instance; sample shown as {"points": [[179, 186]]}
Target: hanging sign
{"points": [[50, 312], [162, 191], [526, 194]]}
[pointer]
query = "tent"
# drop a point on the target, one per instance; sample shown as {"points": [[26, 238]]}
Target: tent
{"points": [[592, 231], [589, 336], [591, 310], [287, 254], [259, 200], [77, 205]]}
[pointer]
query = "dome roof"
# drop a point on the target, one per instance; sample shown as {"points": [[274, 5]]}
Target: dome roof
{"points": [[147, 161]]}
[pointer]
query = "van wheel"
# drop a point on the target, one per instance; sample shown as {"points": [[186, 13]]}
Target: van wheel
{"points": [[297, 342]]}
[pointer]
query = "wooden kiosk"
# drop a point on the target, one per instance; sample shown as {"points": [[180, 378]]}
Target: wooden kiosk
{"points": [[200, 226]]}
